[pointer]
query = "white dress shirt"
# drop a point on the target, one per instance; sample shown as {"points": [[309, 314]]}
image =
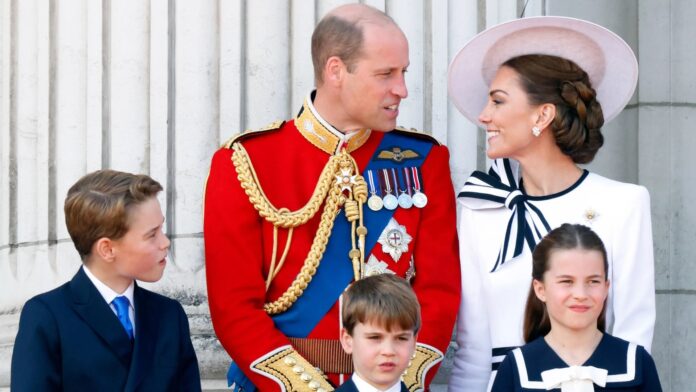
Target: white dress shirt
{"points": [[108, 294], [363, 385]]}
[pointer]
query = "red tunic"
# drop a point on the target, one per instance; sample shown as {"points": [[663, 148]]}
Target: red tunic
{"points": [[238, 244]]}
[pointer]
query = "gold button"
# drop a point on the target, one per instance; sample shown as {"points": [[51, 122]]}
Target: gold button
{"points": [[305, 377], [321, 390], [290, 361], [313, 385], [297, 369]]}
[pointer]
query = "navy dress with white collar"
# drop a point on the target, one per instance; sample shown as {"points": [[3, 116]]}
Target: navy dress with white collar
{"points": [[628, 367]]}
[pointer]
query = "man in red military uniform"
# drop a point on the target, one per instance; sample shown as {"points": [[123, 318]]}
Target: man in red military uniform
{"points": [[296, 211]]}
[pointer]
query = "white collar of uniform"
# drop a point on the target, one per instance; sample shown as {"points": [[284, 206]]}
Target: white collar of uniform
{"points": [[107, 292], [364, 386]]}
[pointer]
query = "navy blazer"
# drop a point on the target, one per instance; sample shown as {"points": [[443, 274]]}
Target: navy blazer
{"points": [[349, 386], [69, 339]]}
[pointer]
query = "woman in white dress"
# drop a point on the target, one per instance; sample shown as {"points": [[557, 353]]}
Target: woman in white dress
{"points": [[543, 87]]}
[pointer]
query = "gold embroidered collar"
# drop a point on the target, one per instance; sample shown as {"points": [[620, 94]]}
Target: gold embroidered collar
{"points": [[321, 134]]}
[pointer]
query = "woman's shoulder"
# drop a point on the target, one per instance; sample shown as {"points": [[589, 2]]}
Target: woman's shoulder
{"points": [[623, 188], [616, 193]]}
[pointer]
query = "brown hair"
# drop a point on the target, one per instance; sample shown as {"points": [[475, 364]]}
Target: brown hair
{"points": [[385, 299], [98, 205], [567, 237], [561, 82], [342, 36]]}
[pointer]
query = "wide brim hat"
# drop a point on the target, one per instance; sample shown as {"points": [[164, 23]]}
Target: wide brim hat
{"points": [[608, 60]]}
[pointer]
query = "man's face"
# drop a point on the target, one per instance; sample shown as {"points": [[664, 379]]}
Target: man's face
{"points": [[372, 92]]}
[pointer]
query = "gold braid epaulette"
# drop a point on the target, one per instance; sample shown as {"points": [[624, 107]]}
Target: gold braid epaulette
{"points": [[327, 190], [280, 217]]}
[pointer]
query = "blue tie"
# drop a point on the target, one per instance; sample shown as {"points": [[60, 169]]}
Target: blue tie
{"points": [[121, 304]]}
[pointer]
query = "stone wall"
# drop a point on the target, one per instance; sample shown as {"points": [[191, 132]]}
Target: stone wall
{"points": [[155, 87]]}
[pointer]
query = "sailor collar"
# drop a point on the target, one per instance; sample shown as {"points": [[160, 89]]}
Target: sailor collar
{"points": [[618, 357], [323, 135]]}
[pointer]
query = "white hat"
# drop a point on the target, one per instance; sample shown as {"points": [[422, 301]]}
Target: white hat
{"points": [[607, 59]]}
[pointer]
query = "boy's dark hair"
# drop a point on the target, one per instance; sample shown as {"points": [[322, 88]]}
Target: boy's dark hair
{"points": [[566, 237], [384, 299], [98, 205]]}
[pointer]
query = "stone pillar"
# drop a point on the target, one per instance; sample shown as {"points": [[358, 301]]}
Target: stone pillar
{"points": [[156, 86], [667, 111]]}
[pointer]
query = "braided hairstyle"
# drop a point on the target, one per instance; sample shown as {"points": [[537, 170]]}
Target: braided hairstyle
{"points": [[561, 82]]}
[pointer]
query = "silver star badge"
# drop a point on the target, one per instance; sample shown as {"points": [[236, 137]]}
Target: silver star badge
{"points": [[394, 239], [376, 267]]}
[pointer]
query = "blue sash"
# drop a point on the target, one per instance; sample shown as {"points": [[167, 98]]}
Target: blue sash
{"points": [[335, 271]]}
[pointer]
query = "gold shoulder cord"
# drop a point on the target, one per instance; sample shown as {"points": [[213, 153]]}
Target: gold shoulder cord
{"points": [[339, 175]]}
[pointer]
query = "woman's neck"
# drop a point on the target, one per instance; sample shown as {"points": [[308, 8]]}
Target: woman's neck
{"points": [[574, 347], [548, 171]]}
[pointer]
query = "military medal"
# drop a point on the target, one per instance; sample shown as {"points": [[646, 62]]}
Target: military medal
{"points": [[374, 202], [420, 200], [405, 200], [390, 201]]}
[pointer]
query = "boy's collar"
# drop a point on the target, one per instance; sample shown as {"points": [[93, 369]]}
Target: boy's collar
{"points": [[363, 386], [107, 292]]}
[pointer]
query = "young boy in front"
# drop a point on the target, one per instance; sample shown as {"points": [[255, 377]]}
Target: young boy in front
{"points": [[381, 318], [101, 331]]}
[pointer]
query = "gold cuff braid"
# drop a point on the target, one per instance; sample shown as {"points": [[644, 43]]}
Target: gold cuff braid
{"points": [[424, 358], [336, 177], [293, 371]]}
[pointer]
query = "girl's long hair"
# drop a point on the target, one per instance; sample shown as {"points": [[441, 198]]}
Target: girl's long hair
{"points": [[566, 237]]}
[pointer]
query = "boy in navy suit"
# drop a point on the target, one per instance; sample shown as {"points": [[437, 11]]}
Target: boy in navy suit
{"points": [[101, 331], [381, 318]]}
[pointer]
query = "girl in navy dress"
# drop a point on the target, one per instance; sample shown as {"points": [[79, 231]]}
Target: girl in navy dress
{"points": [[566, 349]]}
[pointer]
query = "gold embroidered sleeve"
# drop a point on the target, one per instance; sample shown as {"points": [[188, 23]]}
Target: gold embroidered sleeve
{"points": [[292, 371], [425, 357]]}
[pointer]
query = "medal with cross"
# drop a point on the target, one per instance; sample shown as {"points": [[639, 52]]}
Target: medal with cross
{"points": [[394, 239]]}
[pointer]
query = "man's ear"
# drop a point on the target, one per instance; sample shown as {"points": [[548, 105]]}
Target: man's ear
{"points": [[539, 290], [346, 341], [104, 248], [334, 70]]}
